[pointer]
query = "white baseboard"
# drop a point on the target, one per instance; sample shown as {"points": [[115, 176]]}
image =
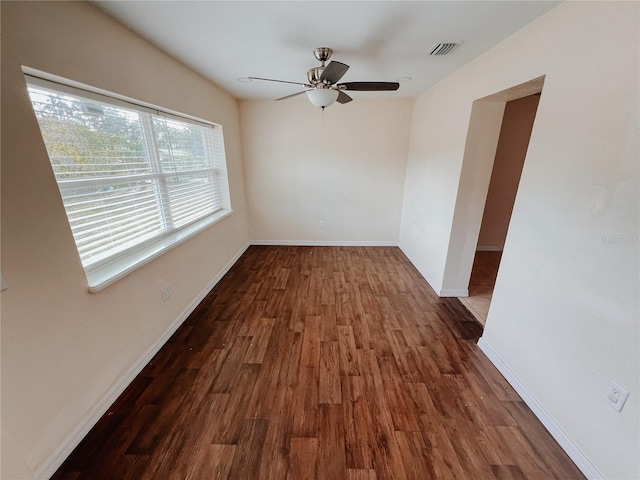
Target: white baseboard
{"points": [[437, 288], [568, 445], [325, 243], [489, 249], [453, 293], [49, 466], [430, 280]]}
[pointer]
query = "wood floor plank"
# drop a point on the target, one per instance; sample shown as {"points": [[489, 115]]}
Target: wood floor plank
{"points": [[445, 460], [359, 436], [386, 454], [274, 462], [282, 351], [320, 363], [246, 459], [166, 458], [468, 450], [212, 461], [415, 456], [544, 443], [311, 342], [529, 462], [305, 403], [155, 428], [332, 462], [227, 375], [260, 336], [329, 389], [226, 428], [397, 396], [361, 474], [282, 278], [348, 351], [507, 472], [303, 458]]}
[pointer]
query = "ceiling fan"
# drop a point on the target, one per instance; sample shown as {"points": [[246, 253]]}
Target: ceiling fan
{"points": [[323, 88]]}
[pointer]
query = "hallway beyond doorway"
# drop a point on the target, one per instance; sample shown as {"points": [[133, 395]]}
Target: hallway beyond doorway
{"points": [[483, 279]]}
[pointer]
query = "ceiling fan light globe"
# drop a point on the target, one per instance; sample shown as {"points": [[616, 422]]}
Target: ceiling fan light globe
{"points": [[322, 97]]}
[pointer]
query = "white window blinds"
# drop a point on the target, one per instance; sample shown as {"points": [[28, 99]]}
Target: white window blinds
{"points": [[128, 175]]}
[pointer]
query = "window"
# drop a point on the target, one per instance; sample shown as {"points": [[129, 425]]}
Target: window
{"points": [[134, 181]]}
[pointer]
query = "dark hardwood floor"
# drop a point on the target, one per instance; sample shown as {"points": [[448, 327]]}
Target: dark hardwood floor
{"points": [[321, 362]]}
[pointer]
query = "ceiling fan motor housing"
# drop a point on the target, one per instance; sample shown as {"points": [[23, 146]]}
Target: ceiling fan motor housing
{"points": [[314, 75]]}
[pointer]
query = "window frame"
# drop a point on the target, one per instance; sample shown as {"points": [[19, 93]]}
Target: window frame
{"points": [[105, 272]]}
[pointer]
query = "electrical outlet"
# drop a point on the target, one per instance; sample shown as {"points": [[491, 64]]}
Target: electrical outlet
{"points": [[616, 395], [165, 292]]}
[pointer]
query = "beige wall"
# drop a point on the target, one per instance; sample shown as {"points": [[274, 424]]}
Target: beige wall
{"points": [[64, 349], [507, 167], [564, 316], [344, 166]]}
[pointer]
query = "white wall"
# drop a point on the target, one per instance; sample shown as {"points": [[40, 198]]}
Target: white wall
{"points": [[344, 166], [564, 315], [64, 349]]}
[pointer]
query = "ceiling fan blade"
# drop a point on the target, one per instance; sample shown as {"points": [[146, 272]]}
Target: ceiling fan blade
{"points": [[293, 95], [279, 81], [343, 98], [369, 86], [334, 72]]}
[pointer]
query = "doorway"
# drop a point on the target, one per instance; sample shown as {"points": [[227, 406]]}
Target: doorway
{"points": [[511, 149]]}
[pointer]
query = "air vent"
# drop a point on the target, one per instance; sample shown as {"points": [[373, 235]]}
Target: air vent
{"points": [[443, 48]]}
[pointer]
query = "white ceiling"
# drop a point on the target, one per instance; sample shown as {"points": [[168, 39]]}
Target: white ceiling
{"points": [[380, 40]]}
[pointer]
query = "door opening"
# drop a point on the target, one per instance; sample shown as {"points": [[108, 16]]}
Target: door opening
{"points": [[515, 133]]}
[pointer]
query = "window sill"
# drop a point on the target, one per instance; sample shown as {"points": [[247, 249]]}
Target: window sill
{"points": [[104, 276]]}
